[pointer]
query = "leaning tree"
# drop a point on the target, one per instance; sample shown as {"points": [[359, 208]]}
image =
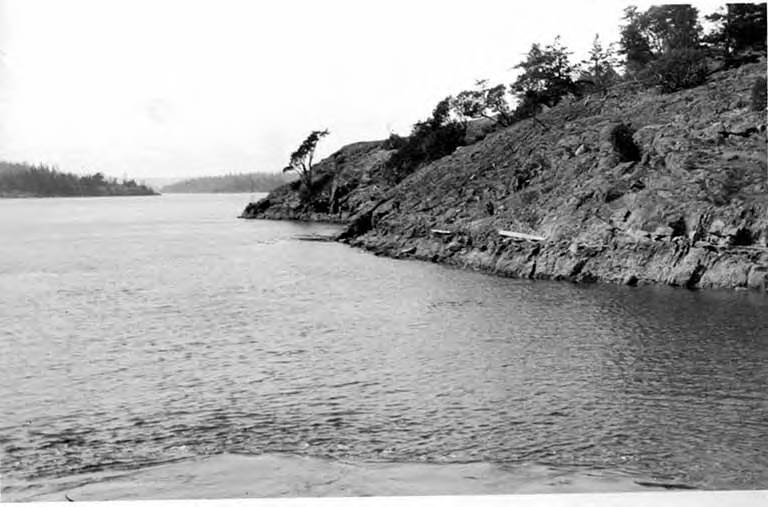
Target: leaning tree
{"points": [[301, 159]]}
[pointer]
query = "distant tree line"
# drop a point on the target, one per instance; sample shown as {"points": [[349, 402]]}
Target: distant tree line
{"points": [[25, 180], [663, 47], [229, 183]]}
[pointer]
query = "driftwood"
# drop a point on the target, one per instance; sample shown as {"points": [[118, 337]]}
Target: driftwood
{"points": [[314, 237], [520, 236], [441, 232]]}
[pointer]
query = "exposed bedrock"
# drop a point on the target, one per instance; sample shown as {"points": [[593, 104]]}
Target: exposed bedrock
{"points": [[629, 187]]}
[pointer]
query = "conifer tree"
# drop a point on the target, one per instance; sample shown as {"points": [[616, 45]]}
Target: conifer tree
{"points": [[599, 67]]}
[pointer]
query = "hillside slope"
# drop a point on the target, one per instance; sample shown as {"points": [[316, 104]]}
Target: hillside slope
{"points": [[688, 208]]}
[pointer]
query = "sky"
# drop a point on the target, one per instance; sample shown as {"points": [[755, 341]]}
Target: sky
{"points": [[179, 88]]}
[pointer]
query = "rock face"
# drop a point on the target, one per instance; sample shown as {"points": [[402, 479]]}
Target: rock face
{"points": [[629, 187], [344, 183]]}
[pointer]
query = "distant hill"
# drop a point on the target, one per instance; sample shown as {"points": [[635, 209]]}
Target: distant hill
{"points": [[156, 183], [230, 183], [25, 180]]}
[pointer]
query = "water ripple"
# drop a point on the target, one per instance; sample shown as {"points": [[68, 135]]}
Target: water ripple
{"points": [[187, 335]]}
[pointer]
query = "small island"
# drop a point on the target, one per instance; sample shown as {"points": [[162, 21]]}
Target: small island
{"points": [[26, 180]]}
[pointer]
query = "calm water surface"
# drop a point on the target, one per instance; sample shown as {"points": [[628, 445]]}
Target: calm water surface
{"points": [[139, 331]]}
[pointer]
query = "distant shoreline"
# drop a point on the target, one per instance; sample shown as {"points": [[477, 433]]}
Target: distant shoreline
{"points": [[21, 180], [44, 196], [228, 184], [179, 192]]}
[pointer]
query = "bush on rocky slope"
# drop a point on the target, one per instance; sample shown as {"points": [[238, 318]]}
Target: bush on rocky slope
{"points": [[430, 140], [679, 69]]}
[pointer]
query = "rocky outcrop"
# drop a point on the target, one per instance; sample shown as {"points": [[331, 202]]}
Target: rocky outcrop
{"points": [[344, 183], [629, 187]]}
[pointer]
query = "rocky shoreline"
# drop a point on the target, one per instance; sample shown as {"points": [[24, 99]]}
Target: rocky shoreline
{"points": [[689, 210], [623, 260], [627, 259]]}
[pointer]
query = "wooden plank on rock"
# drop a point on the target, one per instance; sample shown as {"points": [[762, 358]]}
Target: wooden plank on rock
{"points": [[520, 236]]}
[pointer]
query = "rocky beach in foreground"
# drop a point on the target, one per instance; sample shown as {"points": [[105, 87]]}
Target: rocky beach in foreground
{"points": [[628, 186]]}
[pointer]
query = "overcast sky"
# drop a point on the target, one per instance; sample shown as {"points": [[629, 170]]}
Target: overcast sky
{"points": [[163, 88]]}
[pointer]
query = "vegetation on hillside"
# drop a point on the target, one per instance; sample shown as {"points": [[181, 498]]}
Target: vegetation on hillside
{"points": [[547, 76], [25, 180], [739, 28], [650, 35], [626, 168], [484, 101], [431, 139], [663, 47], [631, 185], [598, 71], [229, 183]]}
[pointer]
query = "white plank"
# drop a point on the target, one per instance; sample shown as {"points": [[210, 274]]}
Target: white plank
{"points": [[521, 236]]}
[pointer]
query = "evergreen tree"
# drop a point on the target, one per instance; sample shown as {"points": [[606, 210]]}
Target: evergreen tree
{"points": [[547, 76], [646, 36], [739, 28], [599, 67]]}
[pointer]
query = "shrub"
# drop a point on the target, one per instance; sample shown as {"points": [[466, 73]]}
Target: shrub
{"points": [[527, 106], [759, 94], [434, 138], [394, 142], [422, 146], [679, 69], [623, 144]]}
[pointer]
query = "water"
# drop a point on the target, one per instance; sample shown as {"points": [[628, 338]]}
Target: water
{"points": [[148, 330]]}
